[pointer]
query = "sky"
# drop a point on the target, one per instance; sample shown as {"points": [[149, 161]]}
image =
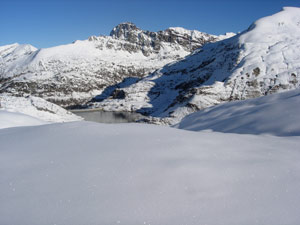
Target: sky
{"points": [[47, 23]]}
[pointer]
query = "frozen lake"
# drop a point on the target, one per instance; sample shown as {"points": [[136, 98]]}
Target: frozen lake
{"points": [[108, 117]]}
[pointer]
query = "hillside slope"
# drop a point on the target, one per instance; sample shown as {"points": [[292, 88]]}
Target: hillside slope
{"points": [[34, 107]]}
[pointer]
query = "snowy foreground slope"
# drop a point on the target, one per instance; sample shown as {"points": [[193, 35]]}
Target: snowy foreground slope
{"points": [[77, 173], [277, 114], [30, 109], [72, 74], [262, 60]]}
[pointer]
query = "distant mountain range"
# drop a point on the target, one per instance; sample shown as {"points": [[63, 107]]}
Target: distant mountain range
{"points": [[165, 75]]}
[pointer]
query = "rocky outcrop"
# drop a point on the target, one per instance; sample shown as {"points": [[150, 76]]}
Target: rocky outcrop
{"points": [[152, 41]]}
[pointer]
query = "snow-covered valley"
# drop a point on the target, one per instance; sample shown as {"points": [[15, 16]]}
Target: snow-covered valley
{"points": [[231, 156], [164, 75]]}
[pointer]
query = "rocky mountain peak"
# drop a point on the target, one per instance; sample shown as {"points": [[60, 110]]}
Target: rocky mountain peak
{"points": [[124, 30]]}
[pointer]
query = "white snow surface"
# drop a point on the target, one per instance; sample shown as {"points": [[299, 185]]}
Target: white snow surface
{"points": [[87, 173], [195, 34], [14, 119], [276, 114], [35, 107]]}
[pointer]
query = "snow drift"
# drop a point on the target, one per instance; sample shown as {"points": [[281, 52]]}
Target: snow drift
{"points": [[276, 114]]}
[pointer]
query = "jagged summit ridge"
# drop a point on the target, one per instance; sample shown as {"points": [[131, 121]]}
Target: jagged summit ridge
{"points": [[152, 41]]}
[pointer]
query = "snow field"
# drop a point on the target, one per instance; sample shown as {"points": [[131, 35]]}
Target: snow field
{"points": [[88, 173]]}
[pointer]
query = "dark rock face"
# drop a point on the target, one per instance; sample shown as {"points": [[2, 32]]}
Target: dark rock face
{"points": [[118, 94], [187, 39], [125, 31]]}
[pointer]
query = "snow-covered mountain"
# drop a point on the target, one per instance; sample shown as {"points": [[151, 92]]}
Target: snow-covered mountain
{"points": [[72, 74], [262, 60]]}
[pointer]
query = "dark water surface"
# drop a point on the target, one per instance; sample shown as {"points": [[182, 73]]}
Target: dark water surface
{"points": [[108, 117]]}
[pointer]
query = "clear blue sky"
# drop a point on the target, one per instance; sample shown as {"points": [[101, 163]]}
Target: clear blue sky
{"points": [[46, 23]]}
